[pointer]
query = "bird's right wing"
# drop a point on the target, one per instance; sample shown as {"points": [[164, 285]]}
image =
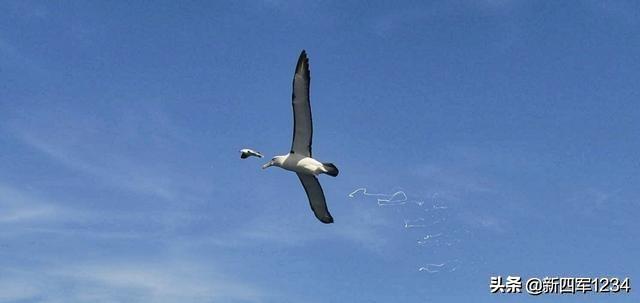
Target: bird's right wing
{"points": [[316, 197], [302, 125]]}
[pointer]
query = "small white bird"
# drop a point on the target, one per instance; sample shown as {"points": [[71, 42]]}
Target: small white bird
{"points": [[246, 153], [299, 159]]}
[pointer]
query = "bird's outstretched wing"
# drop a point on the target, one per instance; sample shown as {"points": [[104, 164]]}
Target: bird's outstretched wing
{"points": [[255, 153], [316, 197], [302, 125]]}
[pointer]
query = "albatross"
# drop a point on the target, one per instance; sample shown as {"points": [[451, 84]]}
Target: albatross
{"points": [[299, 159]]}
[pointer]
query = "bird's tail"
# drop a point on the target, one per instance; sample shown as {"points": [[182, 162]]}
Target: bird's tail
{"points": [[332, 170]]}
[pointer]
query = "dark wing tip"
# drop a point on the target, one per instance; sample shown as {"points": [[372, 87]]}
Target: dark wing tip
{"points": [[303, 62], [326, 220], [243, 156]]}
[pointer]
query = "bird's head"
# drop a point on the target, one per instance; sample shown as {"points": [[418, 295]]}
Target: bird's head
{"points": [[276, 161]]}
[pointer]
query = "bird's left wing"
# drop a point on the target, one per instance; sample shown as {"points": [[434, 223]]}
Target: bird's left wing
{"points": [[256, 154], [316, 197], [302, 125]]}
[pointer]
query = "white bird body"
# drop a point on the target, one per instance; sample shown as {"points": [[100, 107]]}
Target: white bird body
{"points": [[307, 165], [300, 164]]}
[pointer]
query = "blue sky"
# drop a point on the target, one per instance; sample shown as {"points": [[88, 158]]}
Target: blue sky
{"points": [[511, 126]]}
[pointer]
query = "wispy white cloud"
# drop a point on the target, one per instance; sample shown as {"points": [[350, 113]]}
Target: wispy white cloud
{"points": [[364, 228], [114, 172], [25, 213], [15, 291], [166, 281], [172, 276], [137, 154], [17, 206]]}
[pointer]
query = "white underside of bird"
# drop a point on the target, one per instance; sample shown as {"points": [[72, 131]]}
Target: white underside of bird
{"points": [[299, 164]]}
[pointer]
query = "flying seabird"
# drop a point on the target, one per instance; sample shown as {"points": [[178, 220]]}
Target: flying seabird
{"points": [[299, 159], [246, 153]]}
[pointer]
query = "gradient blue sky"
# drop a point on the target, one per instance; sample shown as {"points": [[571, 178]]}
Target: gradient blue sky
{"points": [[120, 124]]}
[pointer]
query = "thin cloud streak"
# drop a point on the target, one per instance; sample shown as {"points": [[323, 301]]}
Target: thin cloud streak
{"points": [[185, 281], [19, 207], [117, 176]]}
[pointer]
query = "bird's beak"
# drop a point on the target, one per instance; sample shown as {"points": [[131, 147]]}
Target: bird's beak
{"points": [[270, 163]]}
